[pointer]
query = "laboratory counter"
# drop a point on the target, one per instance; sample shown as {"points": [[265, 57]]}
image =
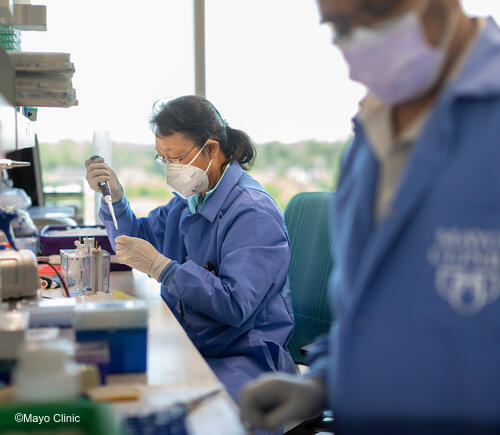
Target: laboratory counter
{"points": [[175, 369]]}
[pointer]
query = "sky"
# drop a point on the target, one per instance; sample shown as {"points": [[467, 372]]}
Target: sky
{"points": [[271, 68]]}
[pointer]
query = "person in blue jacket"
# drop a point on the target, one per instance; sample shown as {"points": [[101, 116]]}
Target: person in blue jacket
{"points": [[416, 219], [219, 248]]}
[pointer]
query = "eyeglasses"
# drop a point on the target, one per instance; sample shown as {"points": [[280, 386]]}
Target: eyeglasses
{"points": [[164, 160], [370, 15]]}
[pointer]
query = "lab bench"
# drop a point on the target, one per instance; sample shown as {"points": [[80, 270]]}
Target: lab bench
{"points": [[174, 365]]}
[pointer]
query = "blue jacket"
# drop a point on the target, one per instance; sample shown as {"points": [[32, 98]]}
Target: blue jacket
{"points": [[227, 284], [417, 296]]}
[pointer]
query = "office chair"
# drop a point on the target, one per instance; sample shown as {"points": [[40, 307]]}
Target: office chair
{"points": [[308, 220]]}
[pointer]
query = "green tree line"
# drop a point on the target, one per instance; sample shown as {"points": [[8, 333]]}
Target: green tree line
{"points": [[277, 156], [274, 158]]}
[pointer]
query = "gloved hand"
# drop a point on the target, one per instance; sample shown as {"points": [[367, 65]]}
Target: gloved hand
{"points": [[276, 399], [98, 172], [140, 255]]}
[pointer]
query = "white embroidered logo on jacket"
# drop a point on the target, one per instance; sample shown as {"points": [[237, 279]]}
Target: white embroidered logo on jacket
{"points": [[467, 263]]}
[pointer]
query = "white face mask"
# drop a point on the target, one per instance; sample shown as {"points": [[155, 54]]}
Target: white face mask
{"points": [[395, 60], [187, 180]]}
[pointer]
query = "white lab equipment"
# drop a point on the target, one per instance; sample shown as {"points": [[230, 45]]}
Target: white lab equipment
{"points": [[45, 372], [18, 274], [13, 327], [47, 313]]}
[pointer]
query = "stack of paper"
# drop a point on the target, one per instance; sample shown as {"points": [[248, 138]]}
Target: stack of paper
{"points": [[44, 79]]}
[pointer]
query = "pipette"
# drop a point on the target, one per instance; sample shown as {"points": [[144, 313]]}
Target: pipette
{"points": [[106, 195]]}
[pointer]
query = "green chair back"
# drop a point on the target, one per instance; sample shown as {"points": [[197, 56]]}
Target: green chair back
{"points": [[307, 219]]}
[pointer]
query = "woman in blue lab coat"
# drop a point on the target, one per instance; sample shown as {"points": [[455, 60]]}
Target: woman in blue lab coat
{"points": [[219, 248]]}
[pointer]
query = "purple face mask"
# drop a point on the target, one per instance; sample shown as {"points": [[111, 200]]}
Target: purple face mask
{"points": [[395, 61]]}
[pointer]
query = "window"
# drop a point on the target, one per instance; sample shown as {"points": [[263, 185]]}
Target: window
{"points": [[271, 71], [126, 56]]}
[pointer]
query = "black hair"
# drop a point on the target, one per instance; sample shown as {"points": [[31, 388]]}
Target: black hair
{"points": [[198, 119]]}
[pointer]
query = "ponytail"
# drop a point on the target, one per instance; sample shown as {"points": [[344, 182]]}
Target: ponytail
{"points": [[238, 148]]}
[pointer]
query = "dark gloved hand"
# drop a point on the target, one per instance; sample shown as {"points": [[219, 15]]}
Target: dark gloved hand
{"points": [[274, 400]]}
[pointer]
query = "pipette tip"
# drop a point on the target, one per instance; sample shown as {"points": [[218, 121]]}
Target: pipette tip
{"points": [[113, 216], [108, 200]]}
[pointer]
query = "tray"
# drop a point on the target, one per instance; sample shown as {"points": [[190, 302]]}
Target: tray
{"points": [[51, 244]]}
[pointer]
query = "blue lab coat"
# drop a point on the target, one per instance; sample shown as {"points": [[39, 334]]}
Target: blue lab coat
{"points": [[228, 281], [417, 295]]}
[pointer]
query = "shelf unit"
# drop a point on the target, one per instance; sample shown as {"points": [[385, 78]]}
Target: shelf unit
{"points": [[8, 118]]}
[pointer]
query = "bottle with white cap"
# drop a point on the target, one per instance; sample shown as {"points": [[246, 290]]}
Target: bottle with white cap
{"points": [[45, 372]]}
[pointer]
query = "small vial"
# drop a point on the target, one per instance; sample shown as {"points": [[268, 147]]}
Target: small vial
{"points": [[99, 270]]}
